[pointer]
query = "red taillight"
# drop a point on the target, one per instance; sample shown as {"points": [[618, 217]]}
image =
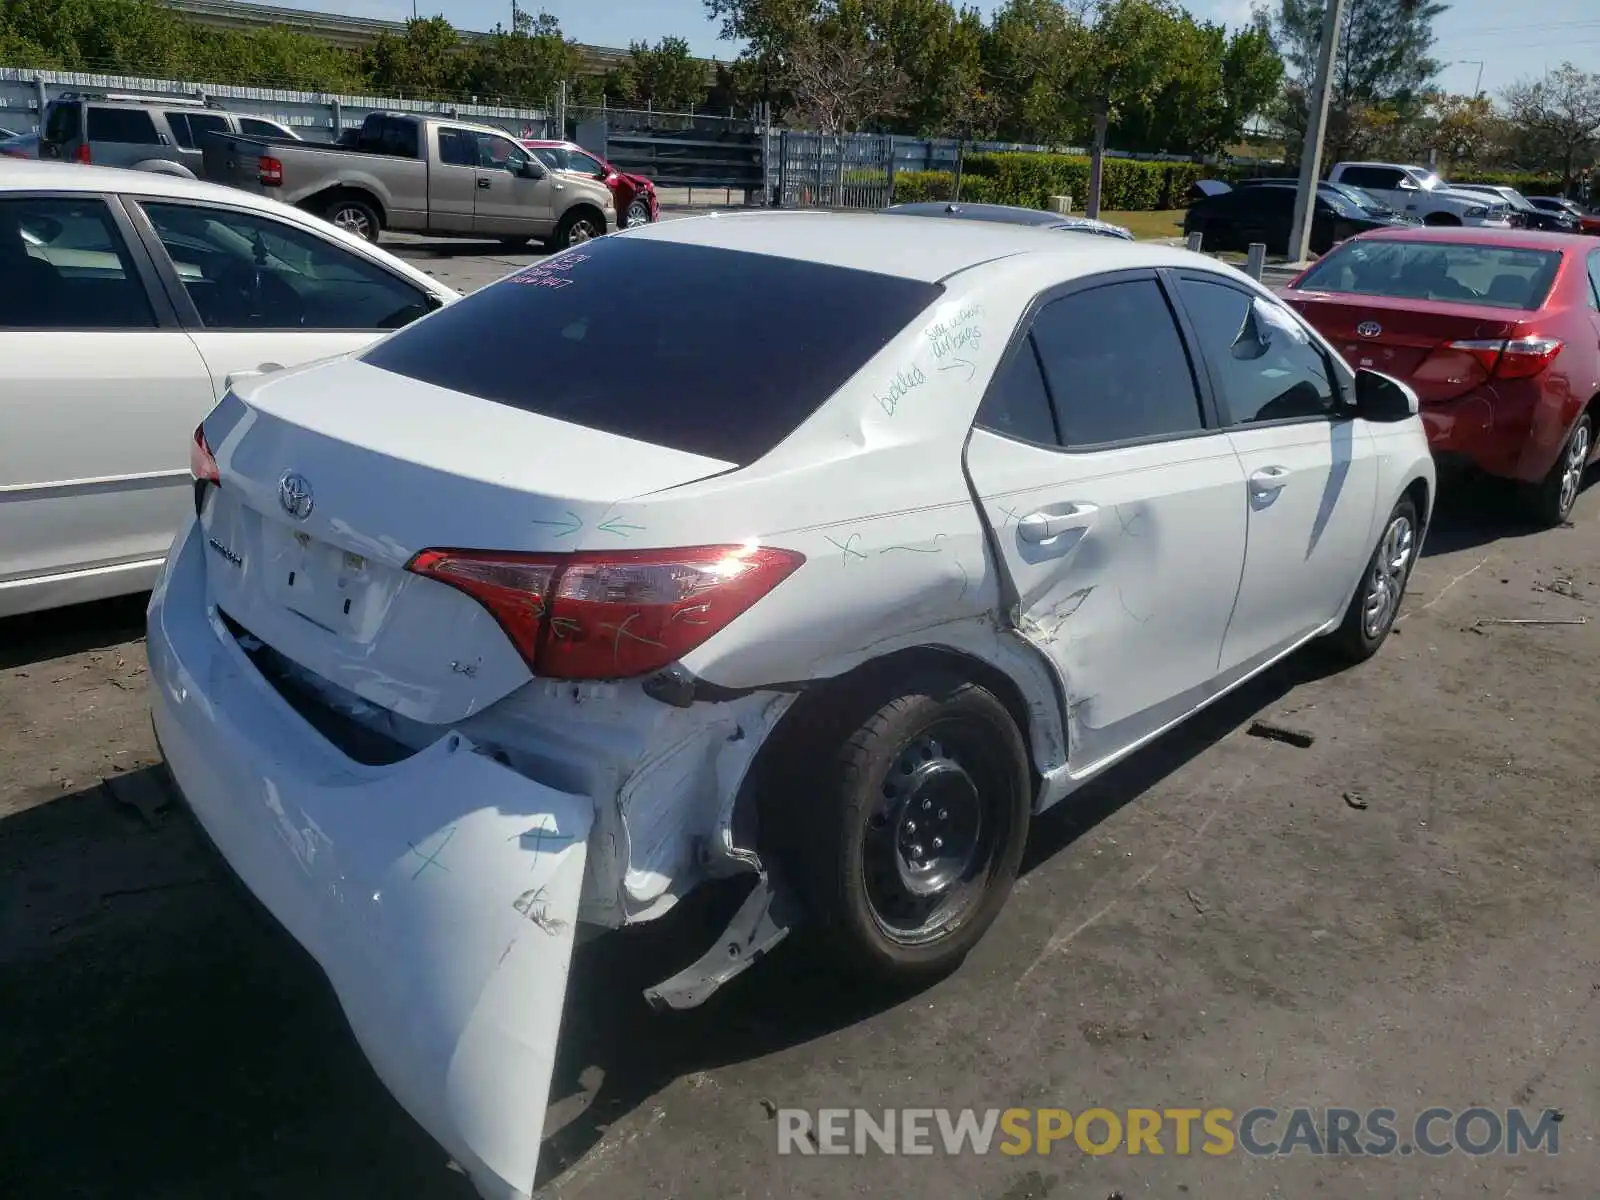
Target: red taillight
{"points": [[269, 171], [202, 464], [82, 152], [611, 614], [1518, 358]]}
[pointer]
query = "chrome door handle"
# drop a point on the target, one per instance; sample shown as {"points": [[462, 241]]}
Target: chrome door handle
{"points": [[1042, 526], [485, 182]]}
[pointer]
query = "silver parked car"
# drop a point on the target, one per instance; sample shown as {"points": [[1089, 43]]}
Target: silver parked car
{"points": [[163, 134]]}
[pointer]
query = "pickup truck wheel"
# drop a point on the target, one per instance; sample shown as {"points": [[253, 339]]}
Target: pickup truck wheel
{"points": [[576, 227], [1441, 218], [354, 216], [905, 837]]}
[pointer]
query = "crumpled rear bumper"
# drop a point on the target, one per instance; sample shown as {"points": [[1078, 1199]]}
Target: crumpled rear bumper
{"points": [[438, 894]]}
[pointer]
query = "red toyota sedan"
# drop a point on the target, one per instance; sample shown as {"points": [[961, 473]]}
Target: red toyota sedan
{"points": [[634, 195], [1498, 332]]}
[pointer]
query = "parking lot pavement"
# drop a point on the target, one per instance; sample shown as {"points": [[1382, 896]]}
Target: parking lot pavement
{"points": [[1404, 913]]}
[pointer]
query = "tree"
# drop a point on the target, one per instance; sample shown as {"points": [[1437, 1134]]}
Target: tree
{"points": [[422, 61], [1560, 114], [666, 75], [1465, 129], [1382, 61], [527, 63], [840, 78]]}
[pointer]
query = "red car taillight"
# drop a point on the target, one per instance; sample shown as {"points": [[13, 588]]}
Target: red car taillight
{"points": [[202, 463], [1518, 358], [269, 171], [611, 614], [81, 154]]}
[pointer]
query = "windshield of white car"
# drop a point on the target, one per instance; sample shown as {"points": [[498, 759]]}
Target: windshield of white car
{"points": [[1501, 277], [714, 352]]}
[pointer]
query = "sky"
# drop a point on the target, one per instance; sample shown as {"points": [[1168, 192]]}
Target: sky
{"points": [[1472, 35]]}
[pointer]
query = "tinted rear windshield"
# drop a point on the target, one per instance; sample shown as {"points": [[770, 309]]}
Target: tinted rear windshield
{"points": [[61, 122], [1498, 276], [715, 352]]}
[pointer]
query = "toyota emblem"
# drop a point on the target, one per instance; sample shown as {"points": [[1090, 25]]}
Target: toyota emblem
{"points": [[294, 493], [1369, 329]]}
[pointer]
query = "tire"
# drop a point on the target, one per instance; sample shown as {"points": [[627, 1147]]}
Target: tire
{"points": [[354, 216], [1441, 218], [577, 226], [514, 243], [1372, 610], [893, 909], [1551, 501], [638, 213]]}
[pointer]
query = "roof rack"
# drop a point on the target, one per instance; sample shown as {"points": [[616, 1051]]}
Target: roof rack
{"points": [[135, 98]]}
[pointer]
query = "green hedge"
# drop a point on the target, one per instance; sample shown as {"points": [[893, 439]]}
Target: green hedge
{"points": [[1526, 183], [1029, 180]]}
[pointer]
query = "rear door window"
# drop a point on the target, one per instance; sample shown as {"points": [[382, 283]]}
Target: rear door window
{"points": [[1116, 365], [458, 147], [1017, 403], [130, 126], [714, 352], [66, 267], [178, 122]]}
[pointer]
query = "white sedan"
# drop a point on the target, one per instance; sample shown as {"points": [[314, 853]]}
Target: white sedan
{"points": [[128, 301], [905, 530]]}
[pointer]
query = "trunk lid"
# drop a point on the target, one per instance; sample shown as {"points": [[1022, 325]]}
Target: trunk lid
{"points": [[335, 475], [1409, 339]]}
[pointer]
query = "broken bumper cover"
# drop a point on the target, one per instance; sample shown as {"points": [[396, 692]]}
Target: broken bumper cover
{"points": [[438, 894]]}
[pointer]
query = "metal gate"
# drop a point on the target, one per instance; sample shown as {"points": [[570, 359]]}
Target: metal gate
{"points": [[821, 170]]}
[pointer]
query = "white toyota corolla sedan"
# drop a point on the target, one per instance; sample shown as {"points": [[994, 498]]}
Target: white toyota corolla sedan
{"points": [[825, 549]]}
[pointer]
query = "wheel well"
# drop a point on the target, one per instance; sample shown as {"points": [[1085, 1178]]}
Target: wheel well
{"points": [[584, 209], [831, 708], [319, 203], [1417, 492], [1441, 218]]}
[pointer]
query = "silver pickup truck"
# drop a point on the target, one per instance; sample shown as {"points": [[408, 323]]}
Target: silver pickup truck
{"points": [[419, 175]]}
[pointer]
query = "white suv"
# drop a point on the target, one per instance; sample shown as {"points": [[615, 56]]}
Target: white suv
{"points": [[1421, 193]]}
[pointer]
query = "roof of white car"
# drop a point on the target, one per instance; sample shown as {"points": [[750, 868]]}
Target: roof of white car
{"points": [[29, 175], [928, 249]]}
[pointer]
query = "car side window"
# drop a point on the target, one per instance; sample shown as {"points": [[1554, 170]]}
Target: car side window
{"points": [[260, 128], [66, 267], [204, 123], [133, 126], [499, 154], [1264, 364], [458, 147], [1017, 404], [1594, 278], [1116, 366], [245, 271], [550, 157], [178, 122], [589, 165]]}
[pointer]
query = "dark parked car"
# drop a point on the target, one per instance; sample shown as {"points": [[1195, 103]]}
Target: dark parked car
{"points": [[1587, 222], [1524, 213], [1363, 200], [1010, 215], [1265, 213]]}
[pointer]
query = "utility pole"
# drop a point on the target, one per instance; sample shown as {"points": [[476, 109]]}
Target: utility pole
{"points": [[1477, 88], [1305, 200]]}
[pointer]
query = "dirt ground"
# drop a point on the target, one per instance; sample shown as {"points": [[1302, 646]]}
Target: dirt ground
{"points": [[1213, 924]]}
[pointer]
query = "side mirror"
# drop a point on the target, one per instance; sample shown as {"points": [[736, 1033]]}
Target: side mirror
{"points": [[1410, 185], [532, 169], [1380, 398]]}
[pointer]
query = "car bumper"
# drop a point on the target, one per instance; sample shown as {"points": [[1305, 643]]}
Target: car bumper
{"points": [[1492, 430], [437, 894]]}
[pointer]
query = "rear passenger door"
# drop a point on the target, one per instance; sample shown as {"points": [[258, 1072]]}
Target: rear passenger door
{"points": [[99, 392], [453, 181], [126, 137], [1311, 475], [1113, 498]]}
